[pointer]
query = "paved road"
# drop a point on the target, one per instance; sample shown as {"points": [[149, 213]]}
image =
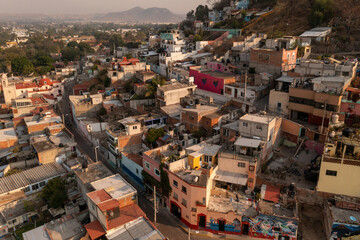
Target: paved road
{"points": [[166, 222]]}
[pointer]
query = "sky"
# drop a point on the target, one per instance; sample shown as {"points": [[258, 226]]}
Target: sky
{"points": [[93, 6]]}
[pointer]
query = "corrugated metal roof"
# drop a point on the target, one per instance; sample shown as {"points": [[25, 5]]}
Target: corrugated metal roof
{"points": [[30, 176]]}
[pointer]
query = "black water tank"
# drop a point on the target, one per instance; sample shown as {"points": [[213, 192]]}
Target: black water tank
{"points": [[347, 132]]}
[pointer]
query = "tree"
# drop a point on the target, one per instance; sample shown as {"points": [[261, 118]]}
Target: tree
{"points": [[85, 47], [164, 181], [153, 134], [22, 66], [197, 37], [202, 13], [116, 40], [201, 133], [190, 15], [72, 44], [70, 54], [102, 111], [54, 193], [321, 11]]}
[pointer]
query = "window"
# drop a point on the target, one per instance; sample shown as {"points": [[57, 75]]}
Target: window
{"points": [[259, 127], [134, 127], [147, 165], [184, 202], [157, 172], [263, 57], [208, 159], [175, 196], [42, 184], [241, 164], [245, 124], [331, 173], [193, 209], [133, 197], [175, 183], [251, 180], [137, 171], [35, 187], [27, 189], [351, 106], [293, 57], [183, 189], [226, 132]]}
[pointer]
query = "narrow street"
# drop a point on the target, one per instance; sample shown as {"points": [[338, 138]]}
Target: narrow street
{"points": [[166, 222]]}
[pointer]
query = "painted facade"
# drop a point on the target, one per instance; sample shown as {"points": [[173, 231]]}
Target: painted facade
{"points": [[343, 230], [271, 227]]}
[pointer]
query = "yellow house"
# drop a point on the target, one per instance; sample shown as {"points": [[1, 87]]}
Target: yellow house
{"points": [[340, 168], [202, 155]]}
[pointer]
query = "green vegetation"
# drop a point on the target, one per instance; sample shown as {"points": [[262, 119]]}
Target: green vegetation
{"points": [[321, 11], [152, 87], [202, 12], [13, 171], [103, 77], [74, 51], [102, 111], [22, 66], [153, 134], [164, 181], [26, 228], [54, 193]]}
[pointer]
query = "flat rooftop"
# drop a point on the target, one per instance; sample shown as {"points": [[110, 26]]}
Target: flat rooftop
{"points": [[345, 216], [114, 185], [269, 208], [195, 177], [7, 134], [93, 172], [174, 86], [257, 118], [204, 148], [200, 108], [225, 201]]}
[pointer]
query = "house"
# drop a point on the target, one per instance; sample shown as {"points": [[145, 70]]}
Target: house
{"points": [[275, 57], [341, 222], [173, 93], [250, 94], [90, 173], [8, 138], [350, 105], [132, 165], [339, 170], [125, 69], [279, 96], [319, 34], [66, 227], [31, 180], [56, 147], [200, 116], [202, 155], [212, 81], [85, 106], [14, 213]]}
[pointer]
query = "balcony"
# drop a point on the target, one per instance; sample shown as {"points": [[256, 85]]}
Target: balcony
{"points": [[236, 156]]}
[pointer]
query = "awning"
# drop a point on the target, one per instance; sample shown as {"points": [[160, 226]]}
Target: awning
{"points": [[229, 177], [248, 142]]}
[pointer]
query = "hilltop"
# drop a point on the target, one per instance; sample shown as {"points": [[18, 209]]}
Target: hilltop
{"points": [[140, 15]]}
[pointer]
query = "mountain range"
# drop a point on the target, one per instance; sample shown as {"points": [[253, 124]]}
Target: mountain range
{"points": [[140, 15]]}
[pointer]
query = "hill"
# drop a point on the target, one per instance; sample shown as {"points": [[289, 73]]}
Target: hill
{"points": [[140, 15], [291, 17]]}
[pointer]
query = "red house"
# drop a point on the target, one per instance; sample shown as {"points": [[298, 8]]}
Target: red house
{"points": [[212, 81]]}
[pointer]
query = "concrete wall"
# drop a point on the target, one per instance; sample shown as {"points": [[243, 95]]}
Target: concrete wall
{"points": [[152, 166], [346, 182], [209, 83], [279, 97], [131, 167]]}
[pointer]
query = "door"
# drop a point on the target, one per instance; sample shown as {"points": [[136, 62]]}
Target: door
{"points": [[202, 221], [176, 210], [236, 93], [221, 225], [245, 229]]}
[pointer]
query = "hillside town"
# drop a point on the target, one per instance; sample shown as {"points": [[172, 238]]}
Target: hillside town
{"points": [[197, 130]]}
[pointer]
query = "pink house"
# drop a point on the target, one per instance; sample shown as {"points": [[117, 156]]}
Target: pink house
{"points": [[212, 81]]}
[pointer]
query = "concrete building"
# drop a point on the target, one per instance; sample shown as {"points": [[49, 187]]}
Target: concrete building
{"points": [[125, 69], [202, 155], [8, 138], [212, 81], [88, 174], [340, 168], [200, 116], [173, 93], [85, 106], [319, 34], [277, 56], [279, 96], [132, 165], [31, 180], [317, 68]]}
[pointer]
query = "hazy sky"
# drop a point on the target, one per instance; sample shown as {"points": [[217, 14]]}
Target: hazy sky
{"points": [[93, 6]]}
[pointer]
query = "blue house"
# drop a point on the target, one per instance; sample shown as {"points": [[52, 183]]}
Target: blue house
{"points": [[132, 165], [242, 4]]}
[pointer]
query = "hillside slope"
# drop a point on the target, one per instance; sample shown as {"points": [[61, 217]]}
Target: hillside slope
{"points": [[140, 15], [291, 17]]}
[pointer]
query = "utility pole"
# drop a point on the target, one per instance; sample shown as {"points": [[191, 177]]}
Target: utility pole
{"points": [[96, 156], [154, 204], [189, 234], [245, 86]]}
